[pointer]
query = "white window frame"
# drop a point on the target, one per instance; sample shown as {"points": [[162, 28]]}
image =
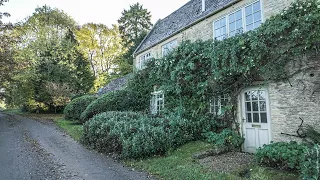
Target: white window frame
{"points": [[143, 59], [168, 47], [243, 18], [157, 102], [216, 102]]}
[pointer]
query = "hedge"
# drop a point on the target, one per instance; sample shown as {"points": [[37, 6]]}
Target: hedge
{"points": [[74, 109]]}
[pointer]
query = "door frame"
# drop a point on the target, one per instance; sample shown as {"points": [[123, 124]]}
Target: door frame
{"points": [[242, 114]]}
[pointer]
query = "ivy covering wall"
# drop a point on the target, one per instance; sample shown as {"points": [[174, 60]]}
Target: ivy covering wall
{"points": [[195, 72]]}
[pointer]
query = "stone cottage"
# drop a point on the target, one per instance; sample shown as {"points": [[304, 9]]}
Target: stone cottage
{"points": [[266, 113]]}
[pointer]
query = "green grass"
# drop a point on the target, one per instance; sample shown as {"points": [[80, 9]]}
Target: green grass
{"points": [[74, 129]]}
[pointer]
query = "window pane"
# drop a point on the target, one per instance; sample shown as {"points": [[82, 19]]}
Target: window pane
{"points": [[263, 106], [262, 95], [249, 19], [257, 16], [248, 106], [238, 15], [239, 24], [254, 95], [256, 117], [256, 6], [257, 24], [250, 27], [216, 25], [264, 118], [249, 119], [247, 96], [231, 18], [223, 30], [248, 10], [217, 33], [255, 106], [223, 21], [232, 26]]}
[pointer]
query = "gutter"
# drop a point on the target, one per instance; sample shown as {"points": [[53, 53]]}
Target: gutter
{"points": [[184, 28]]}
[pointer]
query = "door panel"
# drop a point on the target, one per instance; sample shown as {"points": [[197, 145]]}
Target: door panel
{"points": [[256, 119]]}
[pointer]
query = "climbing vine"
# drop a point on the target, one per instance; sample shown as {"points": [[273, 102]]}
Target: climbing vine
{"points": [[197, 71]]}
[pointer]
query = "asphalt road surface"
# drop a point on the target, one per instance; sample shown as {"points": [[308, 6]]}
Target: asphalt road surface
{"points": [[40, 150]]}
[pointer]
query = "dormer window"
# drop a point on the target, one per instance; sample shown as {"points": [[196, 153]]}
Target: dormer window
{"points": [[244, 19]]}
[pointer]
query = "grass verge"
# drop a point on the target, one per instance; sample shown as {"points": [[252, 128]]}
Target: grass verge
{"points": [[75, 130]]}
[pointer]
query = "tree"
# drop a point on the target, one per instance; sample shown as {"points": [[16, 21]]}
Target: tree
{"points": [[48, 50], [134, 25], [3, 14], [103, 46]]}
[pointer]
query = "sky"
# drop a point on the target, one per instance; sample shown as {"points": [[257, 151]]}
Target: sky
{"points": [[97, 11]]}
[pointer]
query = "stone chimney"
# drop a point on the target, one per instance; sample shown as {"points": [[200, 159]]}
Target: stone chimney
{"points": [[203, 5]]}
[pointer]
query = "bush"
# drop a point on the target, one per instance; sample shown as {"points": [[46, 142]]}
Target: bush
{"points": [[281, 155], [134, 135], [227, 139], [121, 100], [74, 109], [311, 163]]}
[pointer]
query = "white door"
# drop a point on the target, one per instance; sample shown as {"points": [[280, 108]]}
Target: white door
{"points": [[255, 118]]}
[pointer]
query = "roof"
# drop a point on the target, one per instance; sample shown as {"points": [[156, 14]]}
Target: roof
{"points": [[115, 85], [182, 18]]}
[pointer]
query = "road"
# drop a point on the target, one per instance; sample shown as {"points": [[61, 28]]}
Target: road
{"points": [[40, 150]]}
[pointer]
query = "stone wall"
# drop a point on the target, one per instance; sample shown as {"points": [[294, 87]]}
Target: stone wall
{"points": [[299, 97]]}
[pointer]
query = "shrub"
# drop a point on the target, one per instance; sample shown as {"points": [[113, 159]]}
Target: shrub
{"points": [[121, 100], [134, 135], [281, 155], [74, 109], [311, 163], [226, 139]]}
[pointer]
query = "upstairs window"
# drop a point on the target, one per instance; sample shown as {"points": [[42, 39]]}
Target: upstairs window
{"points": [[157, 102], [220, 29], [167, 48], [218, 104], [244, 19], [143, 60]]}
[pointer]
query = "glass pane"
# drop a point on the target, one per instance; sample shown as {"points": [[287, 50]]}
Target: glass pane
{"points": [[238, 15], [254, 95], [255, 106], [248, 106], [262, 95], [256, 117], [264, 118], [231, 18], [257, 16], [217, 33], [232, 33], [249, 119], [223, 21], [216, 25], [263, 106], [248, 10], [247, 96], [257, 24], [239, 24], [256, 6], [232, 26], [249, 19], [250, 27], [224, 30]]}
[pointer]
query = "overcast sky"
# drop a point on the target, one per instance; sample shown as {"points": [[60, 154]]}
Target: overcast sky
{"points": [[84, 11]]}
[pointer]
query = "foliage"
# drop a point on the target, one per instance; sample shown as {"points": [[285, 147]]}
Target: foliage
{"points": [[197, 71], [310, 166], [226, 139], [134, 25], [74, 109], [312, 135], [103, 46], [281, 155], [3, 14], [121, 100], [47, 56], [134, 135]]}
